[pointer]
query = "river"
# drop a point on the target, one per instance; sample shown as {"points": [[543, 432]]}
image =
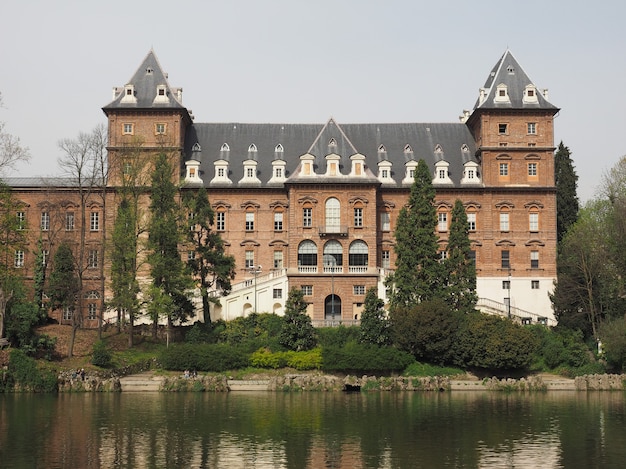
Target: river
{"points": [[473, 429]]}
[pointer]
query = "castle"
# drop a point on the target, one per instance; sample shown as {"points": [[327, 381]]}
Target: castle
{"points": [[315, 205]]}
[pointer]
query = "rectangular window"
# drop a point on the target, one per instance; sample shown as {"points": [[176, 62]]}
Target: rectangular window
{"points": [[502, 128], [277, 293], [21, 220], [44, 256], [278, 259], [250, 172], [385, 173], [532, 169], [19, 258], [385, 259], [534, 259], [504, 222], [45, 221], [92, 259], [92, 311], [221, 221], [442, 224], [249, 221], [278, 221], [472, 256], [533, 221], [220, 172], [68, 312], [471, 221], [127, 168], [505, 260], [94, 221], [358, 217], [504, 169], [307, 290], [532, 128], [249, 259], [128, 128], [307, 217], [159, 129], [69, 221], [506, 284], [385, 221], [534, 284], [412, 173], [191, 255], [358, 289]]}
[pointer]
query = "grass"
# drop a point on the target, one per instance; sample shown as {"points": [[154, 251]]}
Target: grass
{"points": [[425, 370]]}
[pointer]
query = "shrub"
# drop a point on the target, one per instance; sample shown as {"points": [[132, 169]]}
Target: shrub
{"points": [[24, 372], [203, 357], [264, 358], [337, 336], [101, 355], [364, 357], [304, 360], [425, 369]]}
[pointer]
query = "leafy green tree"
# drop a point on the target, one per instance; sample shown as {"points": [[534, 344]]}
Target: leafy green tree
{"points": [[418, 275], [426, 331], [566, 181], [64, 287], [587, 288], [124, 264], [374, 323], [298, 332], [39, 279], [168, 271], [210, 265], [459, 265], [613, 334]]}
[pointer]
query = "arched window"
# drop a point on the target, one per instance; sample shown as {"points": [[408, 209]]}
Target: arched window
{"points": [[307, 253], [358, 256], [333, 215], [333, 256]]}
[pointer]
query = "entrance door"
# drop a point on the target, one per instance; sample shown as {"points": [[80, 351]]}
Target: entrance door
{"points": [[332, 308]]}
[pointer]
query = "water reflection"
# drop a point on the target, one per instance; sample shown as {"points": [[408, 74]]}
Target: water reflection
{"points": [[313, 430]]}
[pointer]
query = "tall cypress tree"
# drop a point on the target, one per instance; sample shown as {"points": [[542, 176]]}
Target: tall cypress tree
{"points": [[418, 274], [168, 271], [566, 181], [211, 266], [460, 268]]}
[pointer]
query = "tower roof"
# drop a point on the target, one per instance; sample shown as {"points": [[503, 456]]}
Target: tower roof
{"points": [[509, 87], [147, 89]]}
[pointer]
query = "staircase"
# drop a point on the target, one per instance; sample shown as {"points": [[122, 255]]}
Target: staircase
{"points": [[489, 306], [143, 382]]}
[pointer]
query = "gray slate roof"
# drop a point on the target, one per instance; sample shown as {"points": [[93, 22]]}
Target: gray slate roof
{"points": [[146, 79], [300, 139], [508, 71]]}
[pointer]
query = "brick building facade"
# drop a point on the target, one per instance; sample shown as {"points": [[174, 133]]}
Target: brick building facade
{"points": [[315, 205]]}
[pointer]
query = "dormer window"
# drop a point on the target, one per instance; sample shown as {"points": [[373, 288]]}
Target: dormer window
{"points": [[252, 148], [161, 95], [502, 95], [129, 94], [409, 177], [225, 147], [470, 173], [278, 171], [332, 146], [149, 71], [408, 152], [530, 94], [384, 172], [193, 171], [441, 173], [250, 172]]}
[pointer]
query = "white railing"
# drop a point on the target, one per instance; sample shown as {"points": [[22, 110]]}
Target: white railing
{"points": [[357, 269], [333, 269], [525, 317], [307, 269], [335, 322]]}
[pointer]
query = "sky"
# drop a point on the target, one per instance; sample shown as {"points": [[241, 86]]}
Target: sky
{"points": [[288, 61]]}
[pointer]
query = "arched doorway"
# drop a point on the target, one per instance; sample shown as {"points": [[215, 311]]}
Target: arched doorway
{"points": [[332, 308]]}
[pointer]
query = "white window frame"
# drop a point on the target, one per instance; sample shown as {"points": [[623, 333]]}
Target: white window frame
{"points": [[358, 217], [504, 169], [249, 259], [92, 259], [307, 217], [92, 311], [532, 128], [94, 221], [533, 221], [532, 169], [18, 261], [504, 221], [45, 221], [220, 223], [385, 221], [307, 290], [278, 259], [278, 221], [442, 221], [385, 259], [70, 220], [471, 221], [534, 259], [249, 221]]}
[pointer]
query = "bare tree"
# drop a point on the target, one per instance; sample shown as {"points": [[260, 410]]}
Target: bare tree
{"points": [[84, 164], [11, 150]]}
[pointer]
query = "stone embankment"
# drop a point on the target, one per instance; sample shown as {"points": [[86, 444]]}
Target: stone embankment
{"points": [[149, 381]]}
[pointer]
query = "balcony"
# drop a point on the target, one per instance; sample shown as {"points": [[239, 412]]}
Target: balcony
{"points": [[340, 231]]}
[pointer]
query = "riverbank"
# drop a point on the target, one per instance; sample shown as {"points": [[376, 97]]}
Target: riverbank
{"points": [[291, 382]]}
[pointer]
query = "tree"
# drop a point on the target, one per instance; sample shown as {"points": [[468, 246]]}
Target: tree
{"points": [[418, 274], [298, 332], [169, 273], [374, 323], [124, 283], [566, 181], [210, 265], [64, 287], [459, 265], [586, 289], [11, 150], [12, 242], [83, 162]]}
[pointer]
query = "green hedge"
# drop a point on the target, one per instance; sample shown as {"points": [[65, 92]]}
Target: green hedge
{"points": [[304, 360], [364, 357], [24, 373], [203, 357]]}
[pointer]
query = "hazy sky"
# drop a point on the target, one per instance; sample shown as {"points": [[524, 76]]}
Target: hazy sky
{"points": [[306, 61]]}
